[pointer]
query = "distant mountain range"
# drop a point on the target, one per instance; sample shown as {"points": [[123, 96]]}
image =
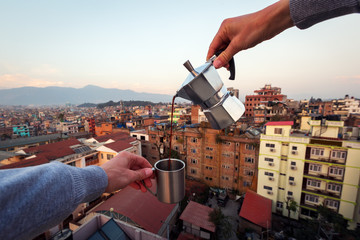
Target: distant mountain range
{"points": [[63, 95]]}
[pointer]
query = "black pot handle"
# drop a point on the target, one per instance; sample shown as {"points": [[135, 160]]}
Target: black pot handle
{"points": [[231, 65]]}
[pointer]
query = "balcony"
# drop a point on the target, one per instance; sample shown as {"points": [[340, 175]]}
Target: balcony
{"points": [[323, 176]]}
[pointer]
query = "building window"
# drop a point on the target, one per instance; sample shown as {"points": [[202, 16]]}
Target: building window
{"points": [[246, 184], [194, 140], [193, 150], [268, 188], [279, 204], [249, 147], [225, 166], [102, 156], [293, 163], [291, 178], [278, 130], [249, 160], [209, 157], [176, 148], [315, 167], [193, 171], [336, 171], [269, 174], [226, 143], [294, 148], [237, 156], [317, 151], [208, 178], [209, 148], [313, 183], [270, 145], [338, 154], [236, 169], [209, 168], [334, 187], [225, 178], [289, 193], [248, 172], [193, 161], [269, 159], [311, 198], [331, 203], [142, 137], [225, 155], [109, 156]]}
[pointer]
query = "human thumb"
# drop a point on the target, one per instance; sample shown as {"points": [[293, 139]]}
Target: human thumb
{"points": [[143, 173], [223, 59]]}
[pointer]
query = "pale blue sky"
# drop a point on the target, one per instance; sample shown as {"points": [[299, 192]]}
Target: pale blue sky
{"points": [[141, 45]]}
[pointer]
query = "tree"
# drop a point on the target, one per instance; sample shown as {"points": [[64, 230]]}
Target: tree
{"points": [[221, 222], [291, 206], [331, 220], [61, 117]]}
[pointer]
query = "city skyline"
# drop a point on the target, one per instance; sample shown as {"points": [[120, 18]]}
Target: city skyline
{"points": [[142, 48]]}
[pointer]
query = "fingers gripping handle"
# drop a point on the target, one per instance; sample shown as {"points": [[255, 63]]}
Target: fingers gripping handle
{"points": [[148, 189], [231, 65]]}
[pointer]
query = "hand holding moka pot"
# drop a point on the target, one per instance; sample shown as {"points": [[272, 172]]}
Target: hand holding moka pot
{"points": [[204, 87]]}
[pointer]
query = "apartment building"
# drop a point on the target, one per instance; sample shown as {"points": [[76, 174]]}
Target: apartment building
{"points": [[90, 125], [178, 112], [67, 127], [103, 129], [23, 130], [312, 169], [261, 96], [219, 159], [197, 115], [266, 111]]}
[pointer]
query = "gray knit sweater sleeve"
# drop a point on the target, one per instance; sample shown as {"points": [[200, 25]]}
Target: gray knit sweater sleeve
{"points": [[34, 199], [306, 13]]}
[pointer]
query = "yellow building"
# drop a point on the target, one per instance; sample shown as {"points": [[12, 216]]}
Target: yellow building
{"points": [[322, 168], [177, 113]]}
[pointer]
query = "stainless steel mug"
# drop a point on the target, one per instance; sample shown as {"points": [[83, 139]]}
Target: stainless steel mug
{"points": [[170, 180]]}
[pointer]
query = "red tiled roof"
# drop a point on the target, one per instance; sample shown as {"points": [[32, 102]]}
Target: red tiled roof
{"points": [[188, 236], [256, 209], [113, 136], [280, 123], [143, 208], [118, 145], [53, 151], [26, 163], [198, 215]]}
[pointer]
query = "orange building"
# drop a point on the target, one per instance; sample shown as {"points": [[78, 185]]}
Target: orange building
{"points": [[103, 129]]}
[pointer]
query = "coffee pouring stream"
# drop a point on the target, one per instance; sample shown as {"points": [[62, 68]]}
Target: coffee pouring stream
{"points": [[204, 87]]}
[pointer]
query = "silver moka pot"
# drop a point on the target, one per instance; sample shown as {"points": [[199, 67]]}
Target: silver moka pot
{"points": [[204, 87]]}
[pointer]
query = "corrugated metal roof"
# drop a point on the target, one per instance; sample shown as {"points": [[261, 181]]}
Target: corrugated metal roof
{"points": [[256, 209], [280, 123], [26, 163], [142, 208], [197, 214]]}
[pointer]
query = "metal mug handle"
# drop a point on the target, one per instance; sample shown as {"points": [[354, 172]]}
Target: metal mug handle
{"points": [[148, 189]]}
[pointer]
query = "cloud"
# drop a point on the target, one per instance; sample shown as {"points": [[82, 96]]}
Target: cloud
{"points": [[22, 80], [44, 70], [349, 79]]}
